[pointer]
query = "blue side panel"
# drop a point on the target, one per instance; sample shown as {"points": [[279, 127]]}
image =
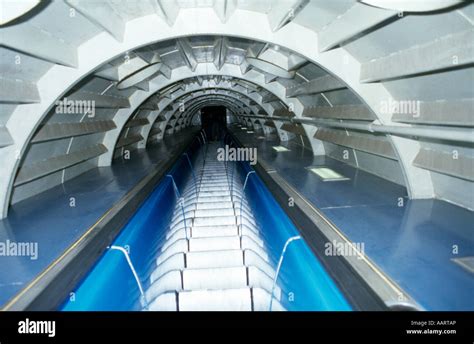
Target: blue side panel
{"points": [[111, 284], [305, 283]]}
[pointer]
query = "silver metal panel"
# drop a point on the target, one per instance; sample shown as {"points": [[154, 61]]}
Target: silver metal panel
{"points": [[101, 14], [269, 97], [451, 51], [42, 168], [5, 137], [293, 128], [39, 43], [449, 163], [319, 85], [125, 141], [56, 131], [351, 23], [18, 91], [101, 100], [352, 112], [187, 54], [453, 112], [284, 11], [367, 143], [136, 122], [283, 112]]}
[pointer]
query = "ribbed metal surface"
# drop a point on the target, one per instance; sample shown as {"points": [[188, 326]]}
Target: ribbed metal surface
{"points": [[34, 171], [450, 163], [212, 258], [370, 144]]}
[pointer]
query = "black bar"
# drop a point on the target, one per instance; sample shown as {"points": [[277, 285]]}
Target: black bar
{"points": [[326, 326]]}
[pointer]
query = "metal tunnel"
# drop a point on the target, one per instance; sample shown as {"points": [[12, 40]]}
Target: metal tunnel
{"points": [[359, 114]]}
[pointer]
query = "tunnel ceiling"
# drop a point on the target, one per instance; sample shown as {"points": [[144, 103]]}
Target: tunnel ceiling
{"points": [[392, 88]]}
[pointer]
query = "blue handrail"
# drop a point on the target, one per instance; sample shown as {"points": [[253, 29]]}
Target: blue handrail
{"points": [[181, 201], [282, 256], [134, 272], [242, 198], [192, 171]]}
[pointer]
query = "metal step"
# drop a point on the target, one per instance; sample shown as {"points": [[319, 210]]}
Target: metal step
{"points": [[243, 299], [225, 188], [214, 194], [214, 221], [261, 301], [214, 199], [170, 281], [214, 259], [210, 244], [216, 300], [199, 232], [213, 205], [211, 184], [214, 212], [175, 262], [214, 243], [167, 302], [214, 231], [215, 278]]}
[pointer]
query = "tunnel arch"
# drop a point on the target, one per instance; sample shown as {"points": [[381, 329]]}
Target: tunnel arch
{"points": [[184, 73], [154, 28]]}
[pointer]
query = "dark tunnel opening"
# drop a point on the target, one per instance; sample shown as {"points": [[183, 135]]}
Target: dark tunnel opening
{"points": [[214, 122]]}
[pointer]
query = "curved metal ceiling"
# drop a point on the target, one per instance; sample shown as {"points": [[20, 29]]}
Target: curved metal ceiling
{"points": [[344, 69]]}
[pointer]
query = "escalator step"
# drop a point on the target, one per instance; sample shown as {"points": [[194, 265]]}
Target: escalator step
{"points": [[215, 243], [217, 212], [214, 231], [215, 300], [215, 278], [214, 221], [212, 259]]}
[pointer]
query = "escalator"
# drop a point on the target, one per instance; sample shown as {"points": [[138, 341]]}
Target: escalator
{"points": [[214, 257], [210, 236]]}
